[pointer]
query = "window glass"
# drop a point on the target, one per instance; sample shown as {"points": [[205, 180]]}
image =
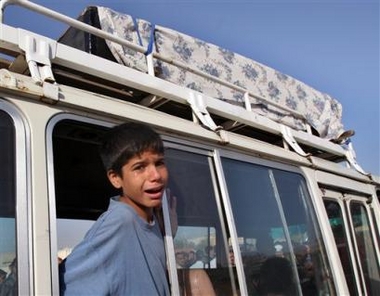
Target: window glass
{"points": [[8, 264], [334, 212], [195, 247], [366, 248], [280, 242], [200, 243], [304, 232]]}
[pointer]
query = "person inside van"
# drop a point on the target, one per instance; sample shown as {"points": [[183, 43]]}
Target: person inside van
{"points": [[3, 276], [276, 278], [9, 285], [123, 252]]}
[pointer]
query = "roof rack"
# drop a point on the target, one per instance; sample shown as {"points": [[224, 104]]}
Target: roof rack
{"points": [[49, 61]]}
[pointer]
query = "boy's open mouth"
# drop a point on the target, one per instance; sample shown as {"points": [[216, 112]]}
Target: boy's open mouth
{"points": [[154, 190]]}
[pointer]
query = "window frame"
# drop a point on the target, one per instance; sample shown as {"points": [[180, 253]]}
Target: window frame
{"points": [[339, 200], [255, 160], [363, 202], [23, 213], [344, 198], [211, 155], [51, 185]]}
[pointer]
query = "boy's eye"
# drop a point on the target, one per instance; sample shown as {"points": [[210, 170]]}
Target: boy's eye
{"points": [[139, 167]]}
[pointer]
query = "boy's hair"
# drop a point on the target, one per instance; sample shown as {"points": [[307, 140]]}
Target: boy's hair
{"points": [[125, 141]]}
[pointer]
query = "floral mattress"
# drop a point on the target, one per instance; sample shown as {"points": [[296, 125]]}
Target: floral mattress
{"points": [[322, 112]]}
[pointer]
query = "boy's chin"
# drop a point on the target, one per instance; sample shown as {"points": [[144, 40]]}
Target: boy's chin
{"points": [[157, 203]]}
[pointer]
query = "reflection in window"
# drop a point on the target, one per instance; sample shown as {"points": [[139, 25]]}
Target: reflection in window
{"points": [[334, 212], [366, 248], [195, 247], [200, 244], [274, 216], [7, 205]]}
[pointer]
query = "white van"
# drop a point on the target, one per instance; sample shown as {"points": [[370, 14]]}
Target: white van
{"points": [[259, 184]]}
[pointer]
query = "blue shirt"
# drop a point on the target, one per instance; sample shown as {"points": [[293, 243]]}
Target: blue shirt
{"points": [[120, 255]]}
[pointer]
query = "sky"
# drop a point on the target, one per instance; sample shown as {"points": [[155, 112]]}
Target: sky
{"points": [[331, 45]]}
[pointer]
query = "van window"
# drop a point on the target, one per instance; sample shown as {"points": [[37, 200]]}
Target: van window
{"points": [[349, 216], [8, 263], [274, 219], [201, 243], [338, 225], [365, 246], [82, 190]]}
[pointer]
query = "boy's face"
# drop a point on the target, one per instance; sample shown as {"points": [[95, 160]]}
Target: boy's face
{"points": [[143, 182]]}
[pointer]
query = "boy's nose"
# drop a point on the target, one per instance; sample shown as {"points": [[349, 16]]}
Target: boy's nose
{"points": [[154, 173]]}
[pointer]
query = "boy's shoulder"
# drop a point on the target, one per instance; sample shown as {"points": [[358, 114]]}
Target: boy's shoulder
{"points": [[118, 215], [118, 212]]}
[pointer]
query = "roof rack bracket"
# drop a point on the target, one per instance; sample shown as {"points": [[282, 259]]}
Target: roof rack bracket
{"points": [[50, 92], [247, 102], [199, 109], [38, 54], [289, 139], [351, 156]]}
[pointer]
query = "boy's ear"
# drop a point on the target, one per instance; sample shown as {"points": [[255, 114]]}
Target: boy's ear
{"points": [[114, 178]]}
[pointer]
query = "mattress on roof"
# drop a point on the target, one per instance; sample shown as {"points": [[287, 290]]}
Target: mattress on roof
{"points": [[322, 112]]}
